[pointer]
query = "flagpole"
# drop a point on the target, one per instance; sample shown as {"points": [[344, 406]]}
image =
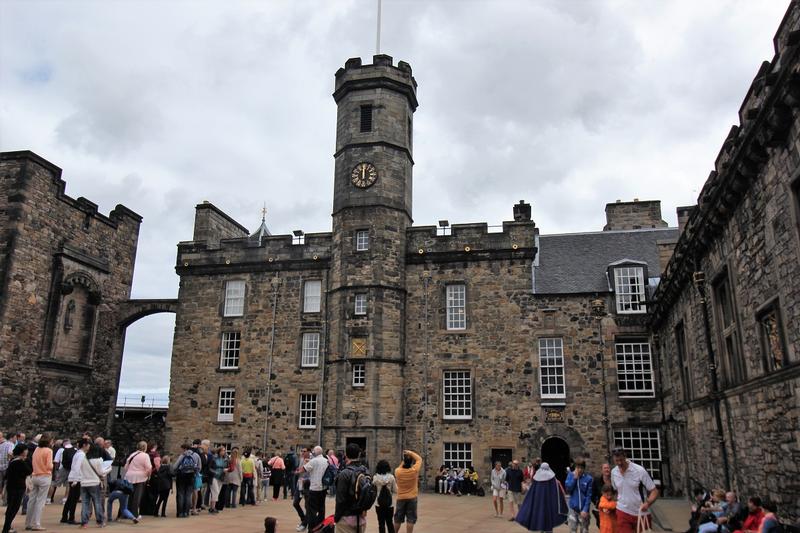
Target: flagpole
{"points": [[378, 36]]}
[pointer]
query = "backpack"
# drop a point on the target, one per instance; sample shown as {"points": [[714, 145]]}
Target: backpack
{"points": [[66, 458], [480, 492], [186, 466], [366, 493], [123, 485], [290, 461], [385, 497], [329, 477]]}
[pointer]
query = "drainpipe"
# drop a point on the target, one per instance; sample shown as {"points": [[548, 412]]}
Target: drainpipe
{"points": [[599, 308], [699, 279], [269, 365], [324, 361], [425, 282]]}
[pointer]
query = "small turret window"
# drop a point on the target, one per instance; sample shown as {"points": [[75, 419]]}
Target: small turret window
{"points": [[366, 118]]}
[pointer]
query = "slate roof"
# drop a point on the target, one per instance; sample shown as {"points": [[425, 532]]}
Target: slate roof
{"points": [[573, 263]]}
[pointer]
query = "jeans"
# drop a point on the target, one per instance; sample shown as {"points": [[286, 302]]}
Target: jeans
{"points": [[315, 506], [161, 502], [14, 500], [385, 522], [575, 521], [123, 504], [68, 512], [232, 490], [136, 498], [264, 488], [247, 495], [297, 507], [91, 494], [36, 499], [183, 495]]}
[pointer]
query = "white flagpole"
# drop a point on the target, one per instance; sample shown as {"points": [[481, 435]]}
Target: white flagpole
{"points": [[378, 37]]}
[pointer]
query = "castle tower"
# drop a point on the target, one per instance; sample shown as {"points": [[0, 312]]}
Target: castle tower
{"points": [[371, 211]]}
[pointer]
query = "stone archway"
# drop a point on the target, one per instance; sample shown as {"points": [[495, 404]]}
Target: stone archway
{"points": [[555, 452]]}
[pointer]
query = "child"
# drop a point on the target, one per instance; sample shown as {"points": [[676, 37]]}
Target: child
{"points": [[164, 486], [608, 507]]}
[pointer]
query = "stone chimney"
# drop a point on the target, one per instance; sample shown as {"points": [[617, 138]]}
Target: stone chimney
{"points": [[683, 216], [634, 215], [522, 212], [211, 225]]}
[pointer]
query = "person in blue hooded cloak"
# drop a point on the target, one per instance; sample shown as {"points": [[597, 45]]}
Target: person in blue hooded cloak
{"points": [[545, 505]]}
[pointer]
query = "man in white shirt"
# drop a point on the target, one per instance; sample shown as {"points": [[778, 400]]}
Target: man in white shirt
{"points": [[315, 504], [627, 478], [74, 482]]}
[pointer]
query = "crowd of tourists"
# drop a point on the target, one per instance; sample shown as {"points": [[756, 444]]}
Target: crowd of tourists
{"points": [[719, 511]]}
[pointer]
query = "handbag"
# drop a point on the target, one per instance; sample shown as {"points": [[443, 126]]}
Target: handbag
{"points": [[643, 524]]}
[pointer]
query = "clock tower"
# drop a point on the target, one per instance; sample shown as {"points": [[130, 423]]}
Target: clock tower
{"points": [[364, 382]]}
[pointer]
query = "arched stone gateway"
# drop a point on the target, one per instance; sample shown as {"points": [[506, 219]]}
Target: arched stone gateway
{"points": [[558, 446], [133, 310]]}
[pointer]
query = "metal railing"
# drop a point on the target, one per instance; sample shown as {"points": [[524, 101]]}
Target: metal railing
{"points": [[144, 401]]}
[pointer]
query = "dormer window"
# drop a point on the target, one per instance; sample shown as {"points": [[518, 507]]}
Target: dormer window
{"points": [[630, 289]]}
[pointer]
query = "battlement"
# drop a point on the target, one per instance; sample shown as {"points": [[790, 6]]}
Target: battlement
{"points": [[467, 242], [380, 73]]}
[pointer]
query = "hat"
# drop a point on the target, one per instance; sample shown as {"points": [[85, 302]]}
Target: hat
{"points": [[544, 473]]}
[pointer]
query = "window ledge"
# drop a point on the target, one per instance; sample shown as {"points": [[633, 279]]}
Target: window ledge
{"points": [[228, 370], [222, 423], [554, 403]]}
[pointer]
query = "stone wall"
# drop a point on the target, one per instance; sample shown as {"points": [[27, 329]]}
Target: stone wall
{"points": [[134, 425]]}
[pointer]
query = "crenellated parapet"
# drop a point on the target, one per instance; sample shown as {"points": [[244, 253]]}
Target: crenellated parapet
{"points": [[471, 242]]}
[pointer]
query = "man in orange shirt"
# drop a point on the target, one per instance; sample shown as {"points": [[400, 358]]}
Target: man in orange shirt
{"points": [[407, 476]]}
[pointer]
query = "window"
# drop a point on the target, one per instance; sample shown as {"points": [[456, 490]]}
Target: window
{"points": [[361, 304], [227, 400], [457, 454], [456, 307], [308, 411], [229, 356], [634, 370], [218, 444], [773, 346], [311, 296], [551, 368], [310, 355], [732, 364], [362, 240], [234, 298], [629, 287], [457, 394], [644, 448], [359, 375], [683, 362], [410, 134], [366, 118]]}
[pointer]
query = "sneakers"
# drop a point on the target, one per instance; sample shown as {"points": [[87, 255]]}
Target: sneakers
{"points": [[135, 520], [300, 527]]}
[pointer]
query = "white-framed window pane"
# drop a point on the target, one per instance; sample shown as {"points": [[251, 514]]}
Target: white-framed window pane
{"points": [[231, 345], [629, 288], [634, 370], [359, 375], [551, 368], [457, 454], [457, 394], [361, 304], [312, 291], [310, 356], [227, 401], [644, 448], [234, 298], [456, 307], [308, 411], [362, 240]]}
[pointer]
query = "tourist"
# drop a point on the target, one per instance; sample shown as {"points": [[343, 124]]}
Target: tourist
{"points": [[217, 478], [607, 506], [120, 489], [514, 484], [74, 481], [543, 508], [278, 468], [597, 488], [63, 458], [6, 454], [248, 466], [301, 490], [334, 460], [315, 500], [266, 474], [41, 478], [207, 465], [185, 468], [292, 463], [108, 445], [347, 516], [92, 474], [578, 487], [470, 480], [199, 447], [440, 481], [137, 472], [163, 486], [16, 473], [626, 477], [732, 517], [32, 445], [770, 522], [386, 485], [498, 479], [755, 514], [56, 447], [259, 464], [233, 478], [407, 477]]}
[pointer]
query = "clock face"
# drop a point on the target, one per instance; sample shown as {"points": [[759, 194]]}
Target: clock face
{"points": [[364, 175]]}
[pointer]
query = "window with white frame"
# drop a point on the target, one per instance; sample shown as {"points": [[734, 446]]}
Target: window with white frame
{"points": [[362, 240], [359, 375], [312, 291], [643, 446], [229, 354], [310, 356], [234, 298], [551, 369], [634, 369], [629, 288], [308, 411], [456, 307], [361, 304], [457, 454], [457, 394], [227, 401]]}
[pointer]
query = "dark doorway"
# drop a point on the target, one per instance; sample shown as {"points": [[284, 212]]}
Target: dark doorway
{"points": [[501, 454], [362, 443], [555, 452]]}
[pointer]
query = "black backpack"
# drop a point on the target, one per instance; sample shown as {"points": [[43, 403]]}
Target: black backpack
{"points": [[366, 493], [329, 477], [66, 458], [385, 497]]}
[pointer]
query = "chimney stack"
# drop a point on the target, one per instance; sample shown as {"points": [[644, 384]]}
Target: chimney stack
{"points": [[634, 215]]}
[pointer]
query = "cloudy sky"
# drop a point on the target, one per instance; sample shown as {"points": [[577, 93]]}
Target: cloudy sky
{"points": [[567, 104]]}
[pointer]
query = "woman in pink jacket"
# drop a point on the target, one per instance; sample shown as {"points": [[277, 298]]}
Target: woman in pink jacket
{"points": [[137, 472]]}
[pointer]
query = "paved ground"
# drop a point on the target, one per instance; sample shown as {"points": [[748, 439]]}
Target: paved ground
{"points": [[437, 514]]}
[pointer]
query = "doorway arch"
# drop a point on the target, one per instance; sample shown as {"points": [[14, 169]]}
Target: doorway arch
{"points": [[555, 452]]}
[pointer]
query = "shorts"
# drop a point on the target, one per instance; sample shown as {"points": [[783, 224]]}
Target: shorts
{"points": [[514, 497], [499, 493], [61, 478], [406, 511]]}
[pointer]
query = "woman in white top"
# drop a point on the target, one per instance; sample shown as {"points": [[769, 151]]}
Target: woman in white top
{"points": [[386, 485]]}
